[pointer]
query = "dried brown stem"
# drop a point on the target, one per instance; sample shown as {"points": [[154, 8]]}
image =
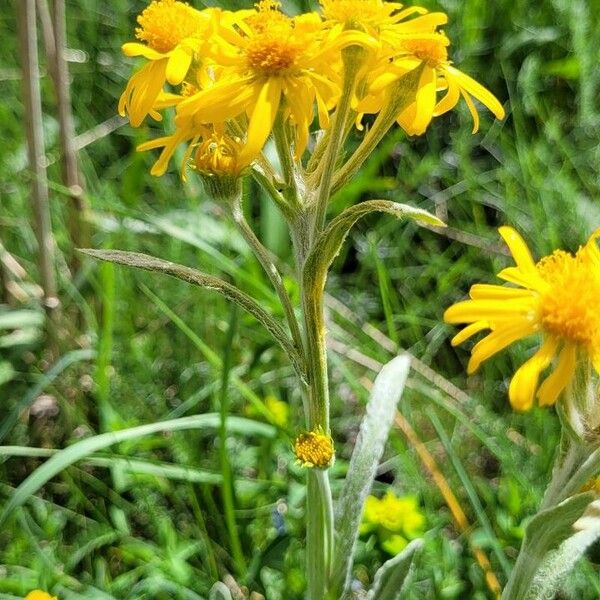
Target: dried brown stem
{"points": [[32, 118]]}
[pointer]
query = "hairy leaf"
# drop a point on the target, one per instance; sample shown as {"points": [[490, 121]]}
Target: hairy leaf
{"points": [[373, 434], [189, 275]]}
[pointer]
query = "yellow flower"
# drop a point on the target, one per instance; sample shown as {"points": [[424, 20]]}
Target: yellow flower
{"points": [[557, 297], [429, 51], [314, 449], [173, 33], [268, 62], [39, 595], [384, 21], [395, 520]]}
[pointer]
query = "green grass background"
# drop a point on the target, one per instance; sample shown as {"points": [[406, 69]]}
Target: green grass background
{"points": [[154, 347]]}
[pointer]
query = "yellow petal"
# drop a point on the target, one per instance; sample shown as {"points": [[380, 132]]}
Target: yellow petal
{"points": [[476, 89], [485, 291], [178, 64], [560, 378], [518, 248], [425, 100], [469, 331], [497, 341], [470, 311], [524, 383], [472, 110], [449, 101], [262, 119], [136, 49], [530, 280]]}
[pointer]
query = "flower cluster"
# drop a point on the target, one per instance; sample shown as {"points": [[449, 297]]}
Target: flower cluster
{"points": [[238, 75], [555, 297], [395, 520]]}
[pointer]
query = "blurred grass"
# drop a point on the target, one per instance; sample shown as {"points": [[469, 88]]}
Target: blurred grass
{"points": [[115, 533]]}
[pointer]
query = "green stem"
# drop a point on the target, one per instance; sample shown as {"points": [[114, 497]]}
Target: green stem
{"points": [[400, 95], [352, 57], [319, 533], [289, 169], [264, 257], [227, 487]]}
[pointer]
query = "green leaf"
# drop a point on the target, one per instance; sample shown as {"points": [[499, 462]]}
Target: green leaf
{"points": [[219, 591], [545, 532], [373, 434], [559, 563], [392, 575], [330, 241], [84, 448], [189, 275], [143, 467]]}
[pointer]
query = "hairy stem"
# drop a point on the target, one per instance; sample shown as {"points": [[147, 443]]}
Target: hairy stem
{"points": [[264, 257]]}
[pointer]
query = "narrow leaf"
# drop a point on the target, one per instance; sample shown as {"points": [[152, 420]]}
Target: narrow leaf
{"points": [[330, 241], [373, 434], [189, 275], [84, 448], [544, 533], [392, 575]]}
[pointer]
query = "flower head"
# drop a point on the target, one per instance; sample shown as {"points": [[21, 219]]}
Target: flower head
{"points": [[314, 449], [556, 297], [270, 64], [172, 33], [428, 51]]}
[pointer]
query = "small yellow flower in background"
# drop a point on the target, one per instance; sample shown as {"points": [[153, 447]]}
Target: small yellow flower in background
{"points": [[39, 595], [395, 520], [314, 449], [279, 410], [556, 297]]}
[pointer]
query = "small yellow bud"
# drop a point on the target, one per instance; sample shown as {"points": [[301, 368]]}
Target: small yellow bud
{"points": [[217, 161], [314, 449], [219, 155]]}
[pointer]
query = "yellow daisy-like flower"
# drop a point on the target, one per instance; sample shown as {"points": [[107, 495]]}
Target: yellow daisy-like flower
{"points": [[429, 52], [39, 595], [266, 62], [172, 33], [557, 297], [387, 22]]}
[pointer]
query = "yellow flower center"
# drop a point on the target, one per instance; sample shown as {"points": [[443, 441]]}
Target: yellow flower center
{"points": [[273, 48], [314, 449], [367, 12], [218, 155], [433, 50], [165, 23], [569, 308]]}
